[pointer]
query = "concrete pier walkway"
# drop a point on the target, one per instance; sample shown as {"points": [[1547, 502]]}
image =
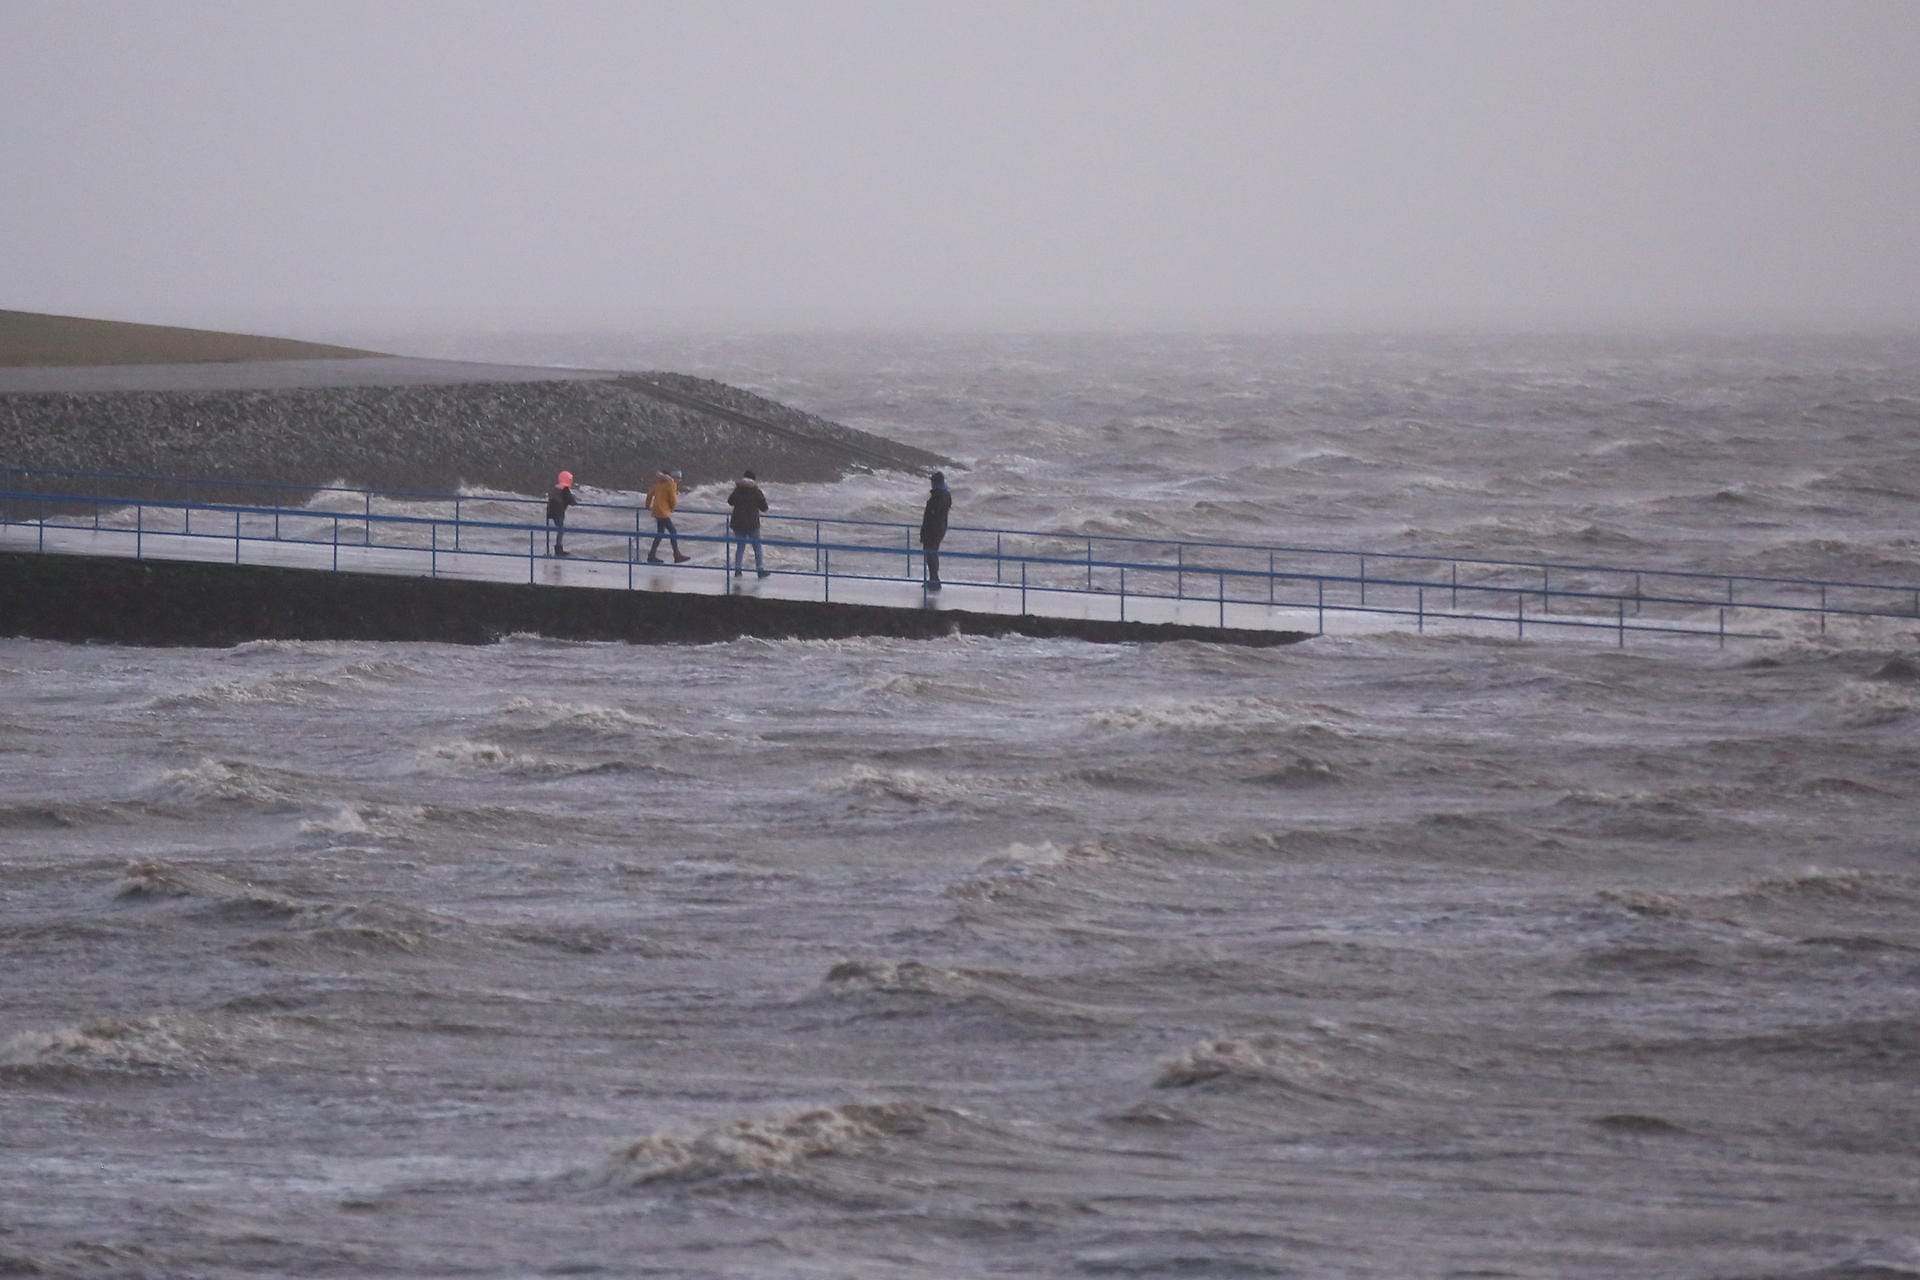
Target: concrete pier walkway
{"points": [[78, 583]]}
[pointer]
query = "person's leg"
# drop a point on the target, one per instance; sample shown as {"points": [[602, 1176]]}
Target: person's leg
{"points": [[653, 552], [933, 563], [739, 541], [673, 535], [560, 535]]}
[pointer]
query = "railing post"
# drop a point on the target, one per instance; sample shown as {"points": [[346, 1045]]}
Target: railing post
{"points": [[1089, 564], [529, 557], [1363, 580], [996, 569], [1321, 583], [1520, 614], [1023, 588], [139, 528], [826, 576], [1723, 628], [366, 530], [1546, 589], [1269, 579], [1420, 624], [1455, 567], [336, 544], [816, 546], [1620, 607], [1123, 593], [1823, 608], [236, 535], [1636, 595], [456, 522], [909, 537], [1180, 572], [433, 557], [1223, 600]]}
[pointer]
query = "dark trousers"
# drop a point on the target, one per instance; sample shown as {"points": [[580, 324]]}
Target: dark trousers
{"points": [[663, 528], [932, 552], [559, 524]]}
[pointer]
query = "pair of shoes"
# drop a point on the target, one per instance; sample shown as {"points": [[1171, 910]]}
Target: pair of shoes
{"points": [[736, 573], [765, 573], [933, 586], [560, 551], [655, 560], [680, 559]]}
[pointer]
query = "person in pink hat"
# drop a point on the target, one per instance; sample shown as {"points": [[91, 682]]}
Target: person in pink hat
{"points": [[559, 498]]}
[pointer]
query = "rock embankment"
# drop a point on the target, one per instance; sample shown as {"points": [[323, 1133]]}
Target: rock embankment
{"points": [[613, 433]]}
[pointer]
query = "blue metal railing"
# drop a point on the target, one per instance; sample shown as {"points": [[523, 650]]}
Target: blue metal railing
{"points": [[1237, 584]]}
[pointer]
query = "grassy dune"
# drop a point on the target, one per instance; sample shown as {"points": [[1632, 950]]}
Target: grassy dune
{"points": [[28, 338]]}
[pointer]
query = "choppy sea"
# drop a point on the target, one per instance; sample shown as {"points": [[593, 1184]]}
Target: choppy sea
{"points": [[1385, 956]]}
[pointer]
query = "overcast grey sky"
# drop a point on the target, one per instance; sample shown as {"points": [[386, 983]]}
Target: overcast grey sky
{"points": [[992, 161]]}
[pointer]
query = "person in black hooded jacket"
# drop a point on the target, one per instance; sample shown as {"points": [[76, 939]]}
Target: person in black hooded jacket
{"points": [[933, 526], [747, 502]]}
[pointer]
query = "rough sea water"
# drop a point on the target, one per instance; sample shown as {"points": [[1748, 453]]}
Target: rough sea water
{"points": [[1393, 956]]}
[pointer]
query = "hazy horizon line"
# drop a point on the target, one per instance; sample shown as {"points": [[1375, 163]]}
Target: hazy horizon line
{"points": [[288, 322]]}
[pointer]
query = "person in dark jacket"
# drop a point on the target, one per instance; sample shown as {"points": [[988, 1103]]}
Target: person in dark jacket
{"points": [[559, 498], [747, 502], [933, 526]]}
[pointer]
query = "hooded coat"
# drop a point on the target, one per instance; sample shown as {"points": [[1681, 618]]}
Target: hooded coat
{"points": [[747, 502], [933, 521], [663, 497]]}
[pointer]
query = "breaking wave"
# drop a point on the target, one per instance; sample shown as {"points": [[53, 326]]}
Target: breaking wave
{"points": [[776, 1145], [157, 1045], [907, 785], [580, 719], [1265, 1058], [235, 782], [486, 757], [1238, 715]]}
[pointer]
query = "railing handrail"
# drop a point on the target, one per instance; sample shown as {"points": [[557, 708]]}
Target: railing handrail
{"points": [[1413, 607], [1064, 562], [909, 526]]}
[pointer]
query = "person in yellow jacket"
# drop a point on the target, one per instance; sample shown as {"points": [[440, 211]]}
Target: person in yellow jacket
{"points": [[662, 498]]}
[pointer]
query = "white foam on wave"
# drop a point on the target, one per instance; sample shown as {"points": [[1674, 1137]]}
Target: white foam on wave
{"points": [[1013, 873], [1270, 1058], [372, 821], [1872, 704], [277, 690], [464, 756], [160, 1043], [589, 718], [266, 648], [909, 785], [775, 1144], [1173, 715], [233, 782]]}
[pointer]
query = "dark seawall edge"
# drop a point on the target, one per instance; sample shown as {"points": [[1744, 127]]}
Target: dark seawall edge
{"points": [[163, 602]]}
